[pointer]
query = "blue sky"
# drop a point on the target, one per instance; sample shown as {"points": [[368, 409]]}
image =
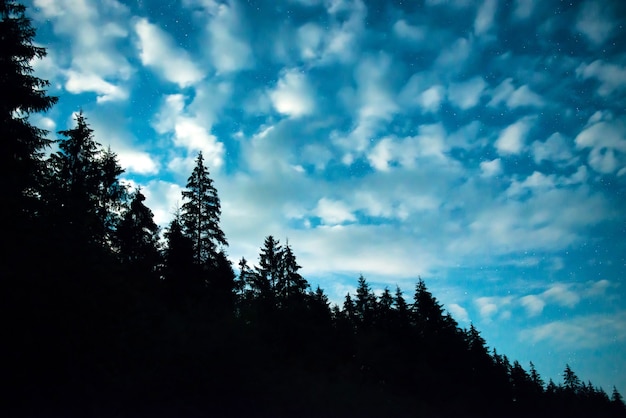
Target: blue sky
{"points": [[481, 145]]}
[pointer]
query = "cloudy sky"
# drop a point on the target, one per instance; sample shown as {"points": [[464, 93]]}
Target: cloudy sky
{"points": [[481, 145]]}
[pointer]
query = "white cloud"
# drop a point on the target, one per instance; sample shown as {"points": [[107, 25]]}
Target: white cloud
{"points": [[382, 153], [523, 96], [292, 95], [524, 9], [423, 93], [466, 94], [555, 149], [562, 295], [502, 92], [78, 82], [111, 129], [431, 98], [533, 304], [484, 17], [511, 139], [230, 52], [163, 198], [137, 162], [333, 212], [491, 168], [189, 131], [488, 306], [549, 219], [374, 94], [583, 332], [372, 105], [310, 37], [612, 77], [534, 183], [453, 58], [458, 312], [594, 22], [95, 63], [406, 31], [607, 140], [43, 122], [429, 145], [157, 50]]}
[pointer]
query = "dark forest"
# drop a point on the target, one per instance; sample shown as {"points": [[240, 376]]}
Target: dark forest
{"points": [[105, 315]]}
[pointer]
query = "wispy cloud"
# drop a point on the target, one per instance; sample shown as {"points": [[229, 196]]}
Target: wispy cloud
{"points": [[157, 50], [580, 332]]}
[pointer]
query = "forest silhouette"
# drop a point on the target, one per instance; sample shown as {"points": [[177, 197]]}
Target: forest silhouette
{"points": [[107, 316]]}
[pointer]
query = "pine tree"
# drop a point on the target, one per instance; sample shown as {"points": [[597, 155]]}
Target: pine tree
{"points": [[349, 310], [522, 385], [111, 195], [427, 312], [617, 400], [138, 235], [385, 314], [536, 378], [270, 263], [365, 303], [22, 94], [320, 308], [290, 285], [571, 382], [200, 215], [402, 311], [85, 193]]}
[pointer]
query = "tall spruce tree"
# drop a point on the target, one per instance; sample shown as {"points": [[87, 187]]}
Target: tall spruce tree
{"points": [[85, 192], [270, 262], [617, 400], [200, 215], [290, 285], [111, 196], [22, 144], [427, 311], [571, 382], [365, 303], [138, 236]]}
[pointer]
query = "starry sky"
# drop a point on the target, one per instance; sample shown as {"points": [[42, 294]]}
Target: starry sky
{"points": [[480, 145]]}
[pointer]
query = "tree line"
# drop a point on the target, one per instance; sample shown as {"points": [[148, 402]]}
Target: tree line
{"points": [[107, 315]]}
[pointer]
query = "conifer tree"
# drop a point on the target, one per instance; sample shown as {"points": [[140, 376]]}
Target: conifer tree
{"points": [[617, 400], [290, 285], [427, 312], [385, 303], [536, 378], [365, 303], [571, 382], [138, 235], [320, 305], [22, 144], [85, 190], [402, 310], [349, 310], [200, 215], [270, 263], [111, 194]]}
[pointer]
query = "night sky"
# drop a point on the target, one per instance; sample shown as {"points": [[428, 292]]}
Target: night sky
{"points": [[479, 145]]}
